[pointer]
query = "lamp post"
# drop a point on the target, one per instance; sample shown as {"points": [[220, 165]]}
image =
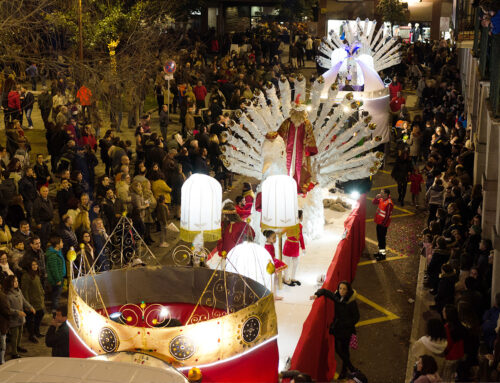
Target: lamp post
{"points": [[280, 209]]}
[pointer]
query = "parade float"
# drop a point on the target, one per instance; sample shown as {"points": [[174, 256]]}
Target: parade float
{"points": [[186, 316], [225, 319]]}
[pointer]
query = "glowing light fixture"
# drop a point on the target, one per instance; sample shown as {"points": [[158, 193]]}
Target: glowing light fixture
{"points": [[201, 200]]}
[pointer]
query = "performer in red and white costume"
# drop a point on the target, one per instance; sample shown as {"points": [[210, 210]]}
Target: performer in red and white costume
{"points": [[382, 219], [298, 135], [234, 230], [291, 252]]}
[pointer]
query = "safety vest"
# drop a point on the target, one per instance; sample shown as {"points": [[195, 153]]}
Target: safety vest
{"points": [[382, 211]]}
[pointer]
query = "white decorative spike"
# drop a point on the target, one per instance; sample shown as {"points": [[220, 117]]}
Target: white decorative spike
{"points": [[257, 120], [300, 88], [377, 37], [316, 90], [252, 129]]}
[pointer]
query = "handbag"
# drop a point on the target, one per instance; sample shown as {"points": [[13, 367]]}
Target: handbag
{"points": [[353, 342]]}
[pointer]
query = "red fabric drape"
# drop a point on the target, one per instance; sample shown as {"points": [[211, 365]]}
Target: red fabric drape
{"points": [[315, 351]]}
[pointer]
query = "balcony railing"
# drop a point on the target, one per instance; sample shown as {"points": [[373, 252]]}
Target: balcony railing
{"points": [[487, 48]]}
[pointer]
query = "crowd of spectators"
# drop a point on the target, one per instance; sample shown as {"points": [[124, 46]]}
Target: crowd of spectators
{"points": [[144, 179], [51, 205], [434, 153]]}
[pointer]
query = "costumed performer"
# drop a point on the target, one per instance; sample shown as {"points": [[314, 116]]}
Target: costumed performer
{"points": [[248, 195], [298, 135], [234, 229], [291, 252], [279, 265], [242, 209]]}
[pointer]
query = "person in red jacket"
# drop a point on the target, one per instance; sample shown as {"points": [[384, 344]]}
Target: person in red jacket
{"points": [[291, 252], [382, 220], [200, 92], [14, 104], [395, 87]]}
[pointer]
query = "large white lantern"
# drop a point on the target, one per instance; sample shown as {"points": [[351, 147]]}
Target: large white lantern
{"points": [[250, 260], [201, 208], [279, 204]]}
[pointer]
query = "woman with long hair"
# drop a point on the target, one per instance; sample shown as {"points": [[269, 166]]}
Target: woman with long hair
{"points": [[426, 370], [99, 238], [343, 325], [5, 235], [18, 304], [33, 292], [15, 212], [455, 335], [86, 256], [5, 269]]}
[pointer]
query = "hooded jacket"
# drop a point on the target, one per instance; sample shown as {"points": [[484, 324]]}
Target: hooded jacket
{"points": [[434, 195], [433, 347]]}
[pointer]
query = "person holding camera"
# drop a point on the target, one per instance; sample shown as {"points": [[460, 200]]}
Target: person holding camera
{"points": [[57, 336]]}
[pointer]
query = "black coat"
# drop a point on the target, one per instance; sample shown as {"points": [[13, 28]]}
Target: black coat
{"points": [[439, 258], [58, 340], [401, 169], [346, 313], [446, 290], [27, 188]]}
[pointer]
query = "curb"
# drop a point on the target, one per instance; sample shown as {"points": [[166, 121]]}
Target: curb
{"points": [[419, 308]]}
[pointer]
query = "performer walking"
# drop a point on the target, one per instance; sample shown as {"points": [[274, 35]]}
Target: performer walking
{"points": [[382, 219]]}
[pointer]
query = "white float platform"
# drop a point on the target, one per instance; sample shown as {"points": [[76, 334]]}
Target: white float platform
{"points": [[293, 310]]}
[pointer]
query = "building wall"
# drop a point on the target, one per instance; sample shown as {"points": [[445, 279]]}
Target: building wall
{"points": [[486, 133]]}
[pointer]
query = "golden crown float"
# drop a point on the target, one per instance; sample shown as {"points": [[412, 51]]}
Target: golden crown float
{"points": [[185, 316]]}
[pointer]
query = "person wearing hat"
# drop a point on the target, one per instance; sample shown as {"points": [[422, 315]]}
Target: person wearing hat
{"points": [[298, 135]]}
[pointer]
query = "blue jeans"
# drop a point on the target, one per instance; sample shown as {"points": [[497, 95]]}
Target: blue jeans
{"points": [[55, 294], [33, 82], [28, 116]]}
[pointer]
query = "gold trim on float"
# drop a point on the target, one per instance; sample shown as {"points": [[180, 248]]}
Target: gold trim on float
{"points": [[290, 231], [208, 235], [196, 344]]}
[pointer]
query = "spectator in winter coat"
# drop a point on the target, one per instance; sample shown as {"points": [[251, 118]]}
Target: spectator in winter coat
{"points": [[164, 116], [440, 256], [28, 190], [433, 343], [14, 105], [58, 333], [426, 370], [27, 104], [67, 234], [446, 287], [56, 269], [434, 198], [343, 326], [200, 92], [34, 294], [401, 172], [45, 105], [490, 323], [19, 305], [5, 314]]}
